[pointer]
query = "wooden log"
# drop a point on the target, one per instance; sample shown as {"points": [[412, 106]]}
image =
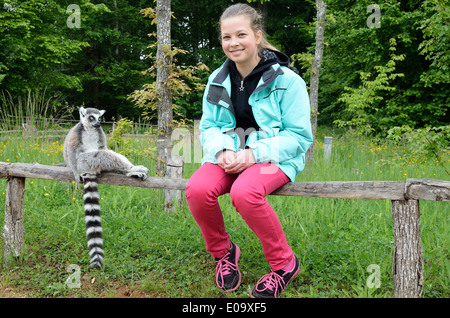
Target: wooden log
{"points": [[408, 268], [14, 229], [36, 171], [4, 170], [382, 190], [417, 189], [174, 170], [427, 189], [389, 190]]}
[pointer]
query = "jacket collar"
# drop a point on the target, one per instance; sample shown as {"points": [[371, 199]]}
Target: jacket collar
{"points": [[223, 73], [267, 78]]}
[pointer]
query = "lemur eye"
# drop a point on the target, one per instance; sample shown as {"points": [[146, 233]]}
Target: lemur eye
{"points": [[91, 118]]}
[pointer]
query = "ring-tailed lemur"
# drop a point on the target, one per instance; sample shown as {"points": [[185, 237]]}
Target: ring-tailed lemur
{"points": [[85, 152]]}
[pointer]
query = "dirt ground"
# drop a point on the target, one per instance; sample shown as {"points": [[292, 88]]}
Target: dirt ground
{"points": [[121, 292], [6, 292]]}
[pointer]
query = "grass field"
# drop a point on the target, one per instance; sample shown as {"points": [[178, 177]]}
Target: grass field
{"points": [[155, 254]]}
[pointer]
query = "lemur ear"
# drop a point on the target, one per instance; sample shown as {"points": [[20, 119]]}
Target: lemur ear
{"points": [[82, 111], [102, 112]]}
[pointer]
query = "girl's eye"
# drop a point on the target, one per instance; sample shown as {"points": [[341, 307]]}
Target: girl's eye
{"points": [[226, 37], [241, 35]]}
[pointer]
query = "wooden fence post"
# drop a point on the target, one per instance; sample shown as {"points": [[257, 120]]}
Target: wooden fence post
{"points": [[174, 170], [14, 229], [408, 268]]}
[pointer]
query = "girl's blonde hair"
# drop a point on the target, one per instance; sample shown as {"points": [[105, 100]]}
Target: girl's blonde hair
{"points": [[256, 22]]}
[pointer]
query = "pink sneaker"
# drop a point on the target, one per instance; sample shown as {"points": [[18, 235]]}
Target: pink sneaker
{"points": [[272, 285], [228, 276]]}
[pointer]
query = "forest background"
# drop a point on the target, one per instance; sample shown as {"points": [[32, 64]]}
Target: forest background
{"points": [[372, 78]]}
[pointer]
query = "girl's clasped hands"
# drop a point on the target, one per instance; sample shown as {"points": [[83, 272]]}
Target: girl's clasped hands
{"points": [[235, 162]]}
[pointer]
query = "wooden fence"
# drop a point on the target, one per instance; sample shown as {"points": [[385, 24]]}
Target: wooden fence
{"points": [[408, 265]]}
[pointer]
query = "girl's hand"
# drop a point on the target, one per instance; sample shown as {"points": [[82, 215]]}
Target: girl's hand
{"points": [[242, 161], [225, 157]]}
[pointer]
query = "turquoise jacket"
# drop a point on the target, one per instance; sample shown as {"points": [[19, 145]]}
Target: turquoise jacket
{"points": [[280, 105]]}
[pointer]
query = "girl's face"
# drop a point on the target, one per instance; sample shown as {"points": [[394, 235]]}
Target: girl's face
{"points": [[239, 42]]}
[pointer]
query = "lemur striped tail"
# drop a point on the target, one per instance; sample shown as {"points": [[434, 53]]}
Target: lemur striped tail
{"points": [[93, 222]]}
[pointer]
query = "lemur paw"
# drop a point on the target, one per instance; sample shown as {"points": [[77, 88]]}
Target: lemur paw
{"points": [[78, 178], [139, 172]]}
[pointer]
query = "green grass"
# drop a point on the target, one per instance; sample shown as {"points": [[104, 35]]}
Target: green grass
{"points": [[163, 255]]}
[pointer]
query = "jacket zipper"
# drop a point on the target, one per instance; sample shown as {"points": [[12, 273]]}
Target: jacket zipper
{"points": [[241, 89]]}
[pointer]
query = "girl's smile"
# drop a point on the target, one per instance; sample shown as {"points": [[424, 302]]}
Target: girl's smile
{"points": [[237, 52]]}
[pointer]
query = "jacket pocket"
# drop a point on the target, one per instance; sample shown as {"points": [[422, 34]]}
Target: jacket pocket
{"points": [[269, 92]]}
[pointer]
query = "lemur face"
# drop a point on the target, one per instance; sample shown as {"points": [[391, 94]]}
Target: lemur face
{"points": [[90, 117]]}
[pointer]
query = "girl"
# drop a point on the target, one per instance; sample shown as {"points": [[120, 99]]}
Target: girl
{"points": [[255, 131]]}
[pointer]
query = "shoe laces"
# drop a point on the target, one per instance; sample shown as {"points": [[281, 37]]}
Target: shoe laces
{"points": [[223, 268], [273, 282]]}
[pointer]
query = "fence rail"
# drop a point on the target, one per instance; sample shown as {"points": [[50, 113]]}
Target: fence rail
{"points": [[408, 265]]}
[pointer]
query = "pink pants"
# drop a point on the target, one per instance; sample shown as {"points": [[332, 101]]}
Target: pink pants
{"points": [[248, 191]]}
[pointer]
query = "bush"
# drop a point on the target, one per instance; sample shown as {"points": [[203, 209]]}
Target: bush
{"points": [[423, 144]]}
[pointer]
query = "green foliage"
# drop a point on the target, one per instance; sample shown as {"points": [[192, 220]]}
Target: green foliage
{"points": [[116, 141], [183, 81], [422, 145], [100, 63], [352, 48], [303, 61], [260, 1], [34, 50], [436, 43], [290, 24], [110, 68], [364, 102]]}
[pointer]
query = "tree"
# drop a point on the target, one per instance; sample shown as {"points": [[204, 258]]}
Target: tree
{"points": [[315, 71], [180, 84], [163, 63]]}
